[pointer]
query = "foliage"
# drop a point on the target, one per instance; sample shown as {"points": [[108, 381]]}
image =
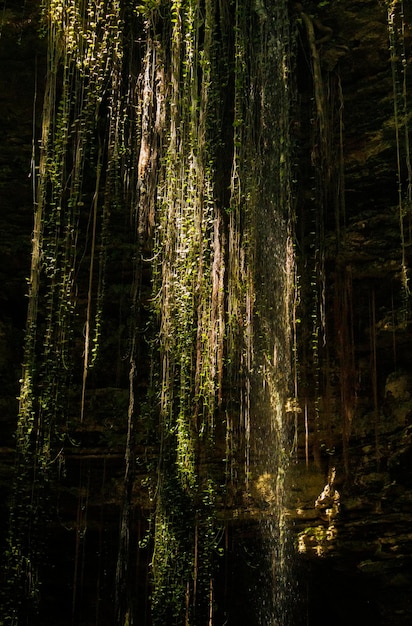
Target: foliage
{"points": [[172, 119], [221, 318], [83, 65]]}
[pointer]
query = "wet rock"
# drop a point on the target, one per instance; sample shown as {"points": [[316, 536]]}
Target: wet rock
{"points": [[400, 462]]}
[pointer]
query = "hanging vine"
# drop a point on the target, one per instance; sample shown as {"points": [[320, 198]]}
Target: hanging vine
{"points": [[84, 52], [191, 278], [320, 211], [143, 105], [189, 302], [398, 59]]}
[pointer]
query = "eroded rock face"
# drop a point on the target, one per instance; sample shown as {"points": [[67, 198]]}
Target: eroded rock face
{"points": [[356, 527], [359, 426]]}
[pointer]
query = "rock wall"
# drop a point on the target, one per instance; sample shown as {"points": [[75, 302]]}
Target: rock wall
{"points": [[351, 499], [350, 506]]}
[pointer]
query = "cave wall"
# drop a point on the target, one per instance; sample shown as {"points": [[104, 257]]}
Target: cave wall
{"points": [[350, 501], [353, 498]]}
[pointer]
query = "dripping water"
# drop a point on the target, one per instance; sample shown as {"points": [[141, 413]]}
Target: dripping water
{"points": [[271, 265]]}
